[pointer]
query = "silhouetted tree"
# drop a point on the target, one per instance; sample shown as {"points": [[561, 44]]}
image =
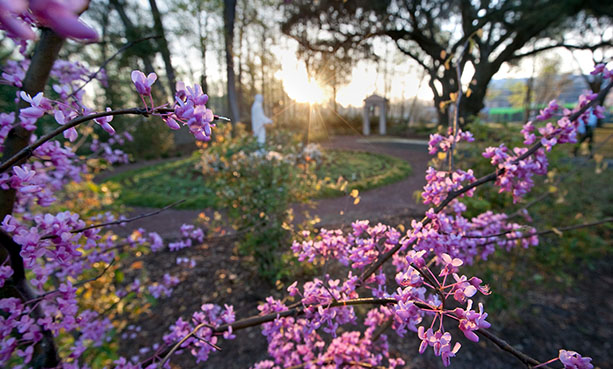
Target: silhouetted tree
{"points": [[434, 33]]}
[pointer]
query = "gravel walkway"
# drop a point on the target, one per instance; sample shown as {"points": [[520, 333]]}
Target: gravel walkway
{"points": [[376, 204]]}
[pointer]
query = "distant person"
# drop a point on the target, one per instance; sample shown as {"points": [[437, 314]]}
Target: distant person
{"points": [[586, 131], [259, 119]]}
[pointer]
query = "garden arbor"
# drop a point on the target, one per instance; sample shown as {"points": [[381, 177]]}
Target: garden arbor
{"points": [[371, 103]]}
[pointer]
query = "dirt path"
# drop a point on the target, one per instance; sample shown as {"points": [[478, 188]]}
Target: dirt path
{"points": [[383, 202], [379, 203]]}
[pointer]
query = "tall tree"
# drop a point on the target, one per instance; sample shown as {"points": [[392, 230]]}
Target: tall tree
{"points": [[434, 34], [133, 33], [598, 30], [541, 87], [229, 16], [163, 45]]}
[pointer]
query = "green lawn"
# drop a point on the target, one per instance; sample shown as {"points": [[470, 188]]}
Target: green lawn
{"points": [[161, 184]]}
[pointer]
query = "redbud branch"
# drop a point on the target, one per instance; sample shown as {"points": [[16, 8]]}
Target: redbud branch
{"points": [[485, 179], [20, 283], [108, 60], [120, 221], [78, 284], [559, 180], [261, 319], [534, 148], [339, 365], [552, 230], [27, 151]]}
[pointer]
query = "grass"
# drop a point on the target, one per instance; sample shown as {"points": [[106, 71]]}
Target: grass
{"points": [[161, 184]]}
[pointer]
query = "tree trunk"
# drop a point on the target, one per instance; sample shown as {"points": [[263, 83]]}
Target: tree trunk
{"points": [[163, 45], [132, 35], [229, 14], [34, 82], [470, 106], [203, 40]]}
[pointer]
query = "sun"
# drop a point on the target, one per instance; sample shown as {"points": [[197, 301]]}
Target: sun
{"points": [[297, 83]]}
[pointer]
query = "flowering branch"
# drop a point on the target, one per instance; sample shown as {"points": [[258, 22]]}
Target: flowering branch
{"points": [[49, 356], [108, 60], [120, 221], [28, 151], [485, 179]]}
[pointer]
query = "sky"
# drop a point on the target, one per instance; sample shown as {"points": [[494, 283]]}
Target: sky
{"points": [[367, 78]]}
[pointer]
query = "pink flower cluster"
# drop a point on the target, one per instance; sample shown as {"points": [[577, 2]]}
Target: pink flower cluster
{"points": [[18, 16], [516, 172], [189, 108], [204, 339], [441, 184], [441, 143]]}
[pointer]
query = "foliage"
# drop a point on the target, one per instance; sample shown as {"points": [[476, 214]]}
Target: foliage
{"points": [[337, 173], [501, 32], [577, 190], [50, 318]]}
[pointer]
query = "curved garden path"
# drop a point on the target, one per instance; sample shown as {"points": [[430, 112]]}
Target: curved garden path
{"points": [[377, 204]]}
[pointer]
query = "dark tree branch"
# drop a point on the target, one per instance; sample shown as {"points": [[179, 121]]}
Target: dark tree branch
{"points": [[455, 194], [28, 151], [120, 221], [107, 61]]}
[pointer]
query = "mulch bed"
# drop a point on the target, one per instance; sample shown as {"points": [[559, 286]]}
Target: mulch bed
{"points": [[577, 318]]}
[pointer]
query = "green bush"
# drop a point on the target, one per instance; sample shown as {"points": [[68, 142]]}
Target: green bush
{"points": [[578, 190]]}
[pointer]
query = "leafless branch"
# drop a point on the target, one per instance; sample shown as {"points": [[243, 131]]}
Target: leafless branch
{"points": [[120, 221]]}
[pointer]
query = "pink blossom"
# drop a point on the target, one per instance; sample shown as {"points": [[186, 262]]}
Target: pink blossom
{"points": [[573, 360], [142, 83], [62, 17]]}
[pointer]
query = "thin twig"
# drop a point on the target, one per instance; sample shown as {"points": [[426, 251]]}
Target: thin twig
{"points": [[78, 284], [108, 60], [485, 179], [553, 230], [120, 221], [456, 115], [28, 151]]}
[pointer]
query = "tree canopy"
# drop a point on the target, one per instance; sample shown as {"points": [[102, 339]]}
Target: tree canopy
{"points": [[439, 34]]}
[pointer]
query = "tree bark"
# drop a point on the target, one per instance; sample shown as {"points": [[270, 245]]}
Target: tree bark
{"points": [[132, 35], [203, 39], [229, 15], [34, 82], [163, 44]]}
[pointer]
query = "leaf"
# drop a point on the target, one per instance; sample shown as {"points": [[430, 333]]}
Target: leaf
{"points": [[443, 54], [598, 158], [557, 231], [356, 201], [119, 276], [354, 193]]}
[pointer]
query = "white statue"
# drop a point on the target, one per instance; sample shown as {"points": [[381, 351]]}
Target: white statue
{"points": [[258, 119]]}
